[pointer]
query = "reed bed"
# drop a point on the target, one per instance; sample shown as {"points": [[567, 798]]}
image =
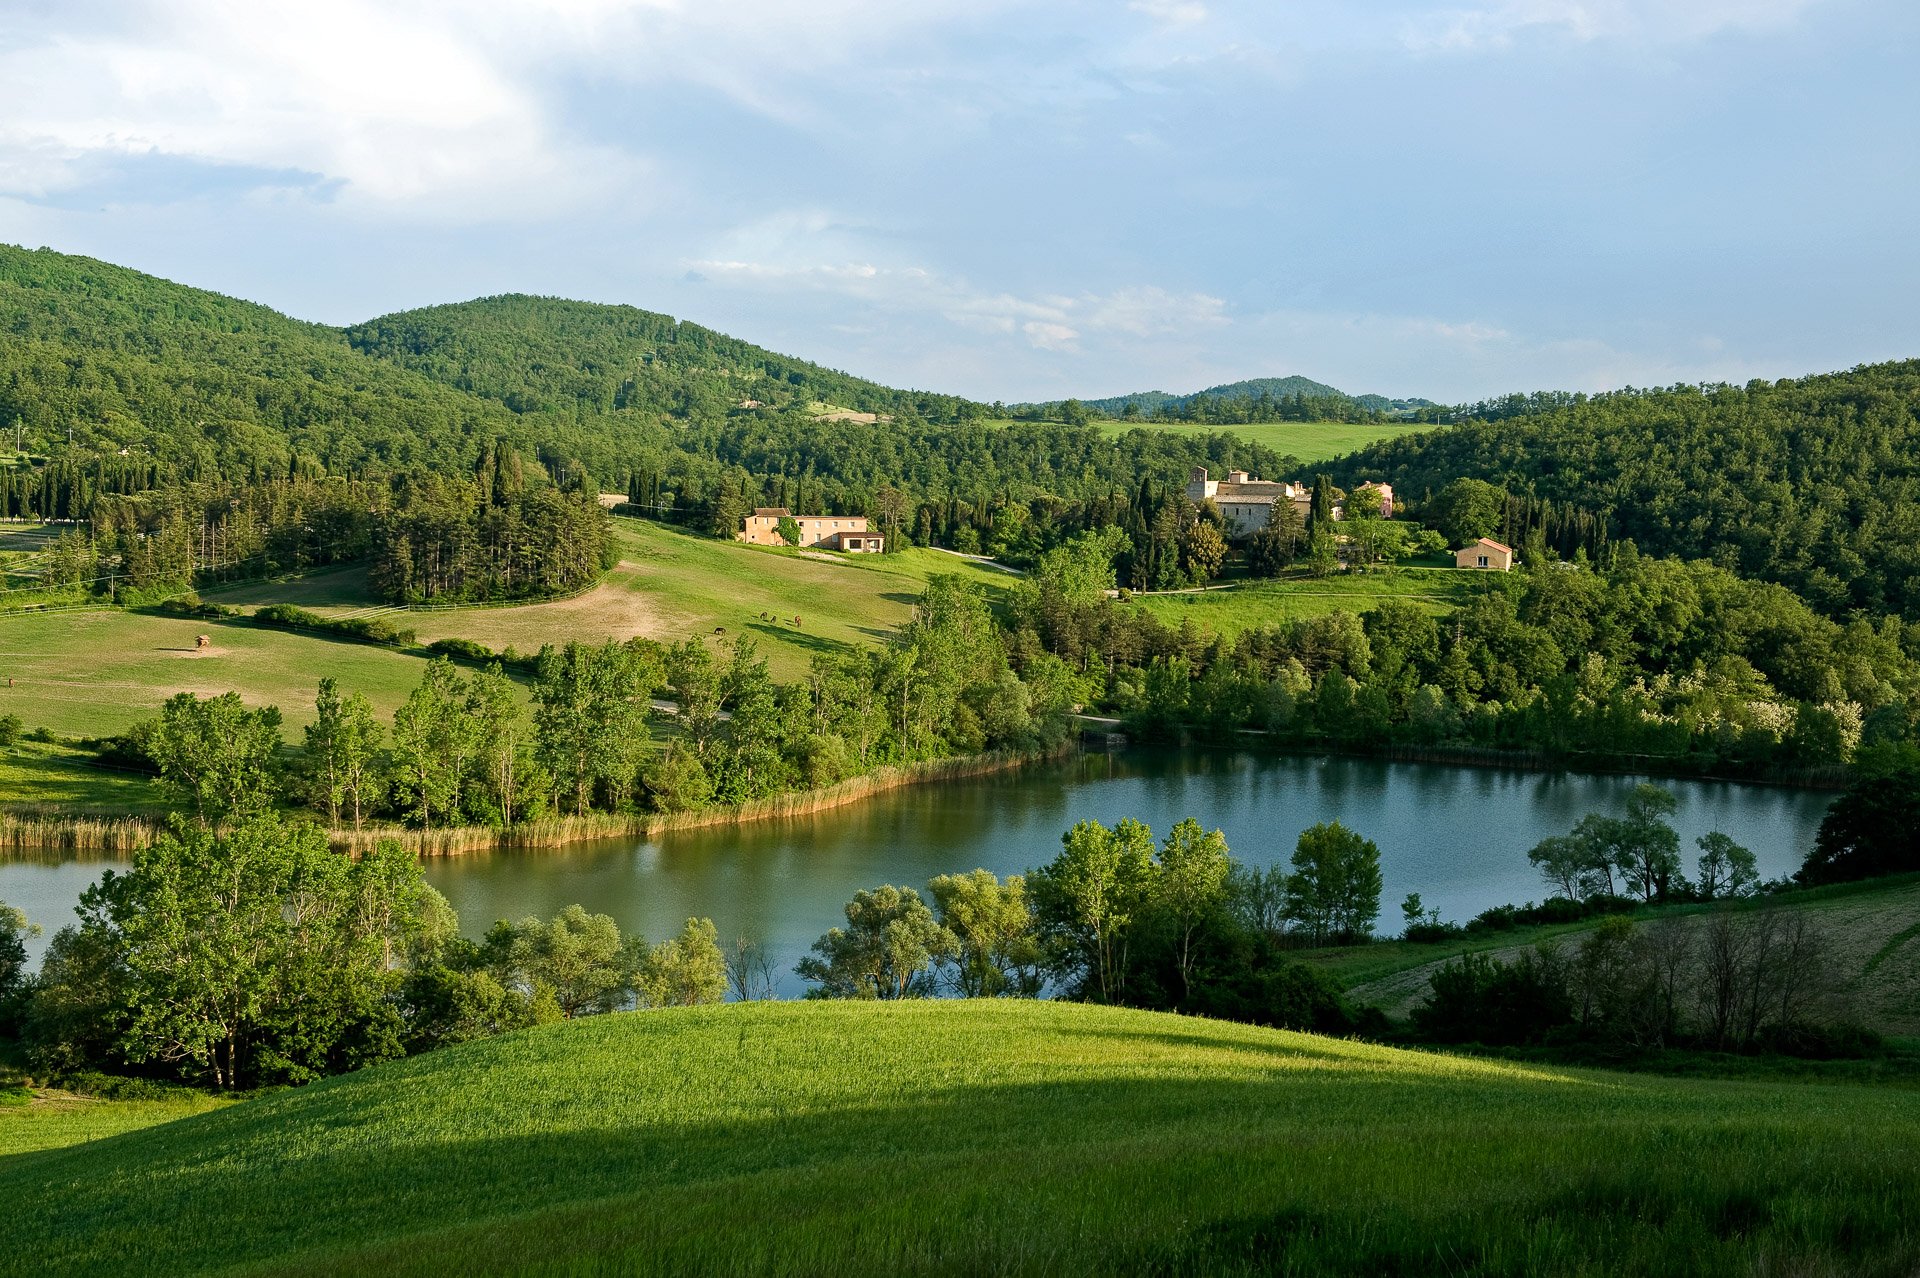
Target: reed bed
{"points": [[28, 832]]}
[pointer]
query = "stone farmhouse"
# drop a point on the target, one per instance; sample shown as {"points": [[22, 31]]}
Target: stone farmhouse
{"points": [[1485, 553], [1245, 503], [825, 532]]}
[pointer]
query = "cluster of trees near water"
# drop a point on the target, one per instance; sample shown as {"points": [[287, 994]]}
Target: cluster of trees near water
{"points": [[1628, 657], [1117, 918], [246, 953], [466, 748]]}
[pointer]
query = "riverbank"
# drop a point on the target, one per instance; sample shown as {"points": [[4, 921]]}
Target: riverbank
{"points": [[44, 831]]}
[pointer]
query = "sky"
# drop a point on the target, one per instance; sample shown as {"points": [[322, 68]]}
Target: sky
{"points": [[1016, 199]]}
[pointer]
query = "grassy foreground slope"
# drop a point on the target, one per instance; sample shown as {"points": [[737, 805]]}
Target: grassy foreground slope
{"points": [[970, 1137]]}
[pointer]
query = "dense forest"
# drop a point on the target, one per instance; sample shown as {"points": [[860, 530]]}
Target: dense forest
{"points": [[1813, 483]]}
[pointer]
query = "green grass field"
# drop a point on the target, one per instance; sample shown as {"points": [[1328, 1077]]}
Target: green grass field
{"points": [[97, 672], [1247, 605], [54, 1119], [980, 1137], [58, 776], [671, 585]]}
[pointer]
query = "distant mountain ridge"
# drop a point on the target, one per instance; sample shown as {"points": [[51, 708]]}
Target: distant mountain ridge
{"points": [[1147, 403]]}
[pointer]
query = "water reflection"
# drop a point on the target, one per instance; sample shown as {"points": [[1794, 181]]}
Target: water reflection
{"points": [[1458, 836]]}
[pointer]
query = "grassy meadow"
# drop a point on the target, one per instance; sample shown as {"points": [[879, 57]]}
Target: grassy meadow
{"points": [[971, 1137], [98, 671], [63, 778], [672, 584], [1250, 604], [95, 672]]}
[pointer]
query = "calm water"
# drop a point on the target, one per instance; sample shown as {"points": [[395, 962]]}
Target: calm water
{"points": [[1457, 836]]}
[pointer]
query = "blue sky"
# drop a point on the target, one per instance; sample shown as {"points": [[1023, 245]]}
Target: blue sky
{"points": [[1017, 200]]}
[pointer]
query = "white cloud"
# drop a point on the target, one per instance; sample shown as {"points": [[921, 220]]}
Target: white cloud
{"points": [[1496, 25], [395, 106], [812, 250], [1177, 13]]}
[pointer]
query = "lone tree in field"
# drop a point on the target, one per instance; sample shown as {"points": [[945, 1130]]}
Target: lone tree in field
{"points": [[1334, 890]]}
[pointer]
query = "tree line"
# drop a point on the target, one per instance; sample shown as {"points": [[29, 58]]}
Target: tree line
{"points": [[1628, 657], [473, 747]]}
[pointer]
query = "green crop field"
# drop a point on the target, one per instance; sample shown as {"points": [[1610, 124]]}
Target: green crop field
{"points": [[979, 1137], [1246, 605], [1307, 442]]}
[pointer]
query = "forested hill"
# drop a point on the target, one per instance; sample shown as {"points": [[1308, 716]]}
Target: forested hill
{"points": [[109, 358], [1813, 482], [98, 358], [547, 354]]}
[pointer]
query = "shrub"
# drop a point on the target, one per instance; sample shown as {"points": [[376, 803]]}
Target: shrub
{"points": [[10, 730], [369, 630], [193, 606], [463, 650]]}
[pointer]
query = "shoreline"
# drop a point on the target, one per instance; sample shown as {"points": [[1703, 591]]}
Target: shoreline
{"points": [[36, 831], [1835, 778]]}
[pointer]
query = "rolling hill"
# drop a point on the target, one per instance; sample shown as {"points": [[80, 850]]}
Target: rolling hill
{"points": [[1812, 482], [984, 1136]]}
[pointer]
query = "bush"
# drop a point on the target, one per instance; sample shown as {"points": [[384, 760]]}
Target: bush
{"points": [[11, 729], [463, 650], [42, 735], [193, 606], [1433, 933], [1481, 1000], [368, 630], [1845, 1041]]}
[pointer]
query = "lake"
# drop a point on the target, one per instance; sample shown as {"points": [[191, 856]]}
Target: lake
{"points": [[1458, 836]]}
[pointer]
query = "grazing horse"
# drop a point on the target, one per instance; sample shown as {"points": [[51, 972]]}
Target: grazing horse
{"points": [[796, 623]]}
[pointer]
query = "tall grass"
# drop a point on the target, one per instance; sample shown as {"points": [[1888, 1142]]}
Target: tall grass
{"points": [[35, 832]]}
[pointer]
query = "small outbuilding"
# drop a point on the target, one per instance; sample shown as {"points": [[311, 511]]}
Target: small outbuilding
{"points": [[1485, 553]]}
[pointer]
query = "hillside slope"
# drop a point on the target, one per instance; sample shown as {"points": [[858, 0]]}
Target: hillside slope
{"points": [[968, 1137], [1814, 483], [112, 359], [547, 354]]}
